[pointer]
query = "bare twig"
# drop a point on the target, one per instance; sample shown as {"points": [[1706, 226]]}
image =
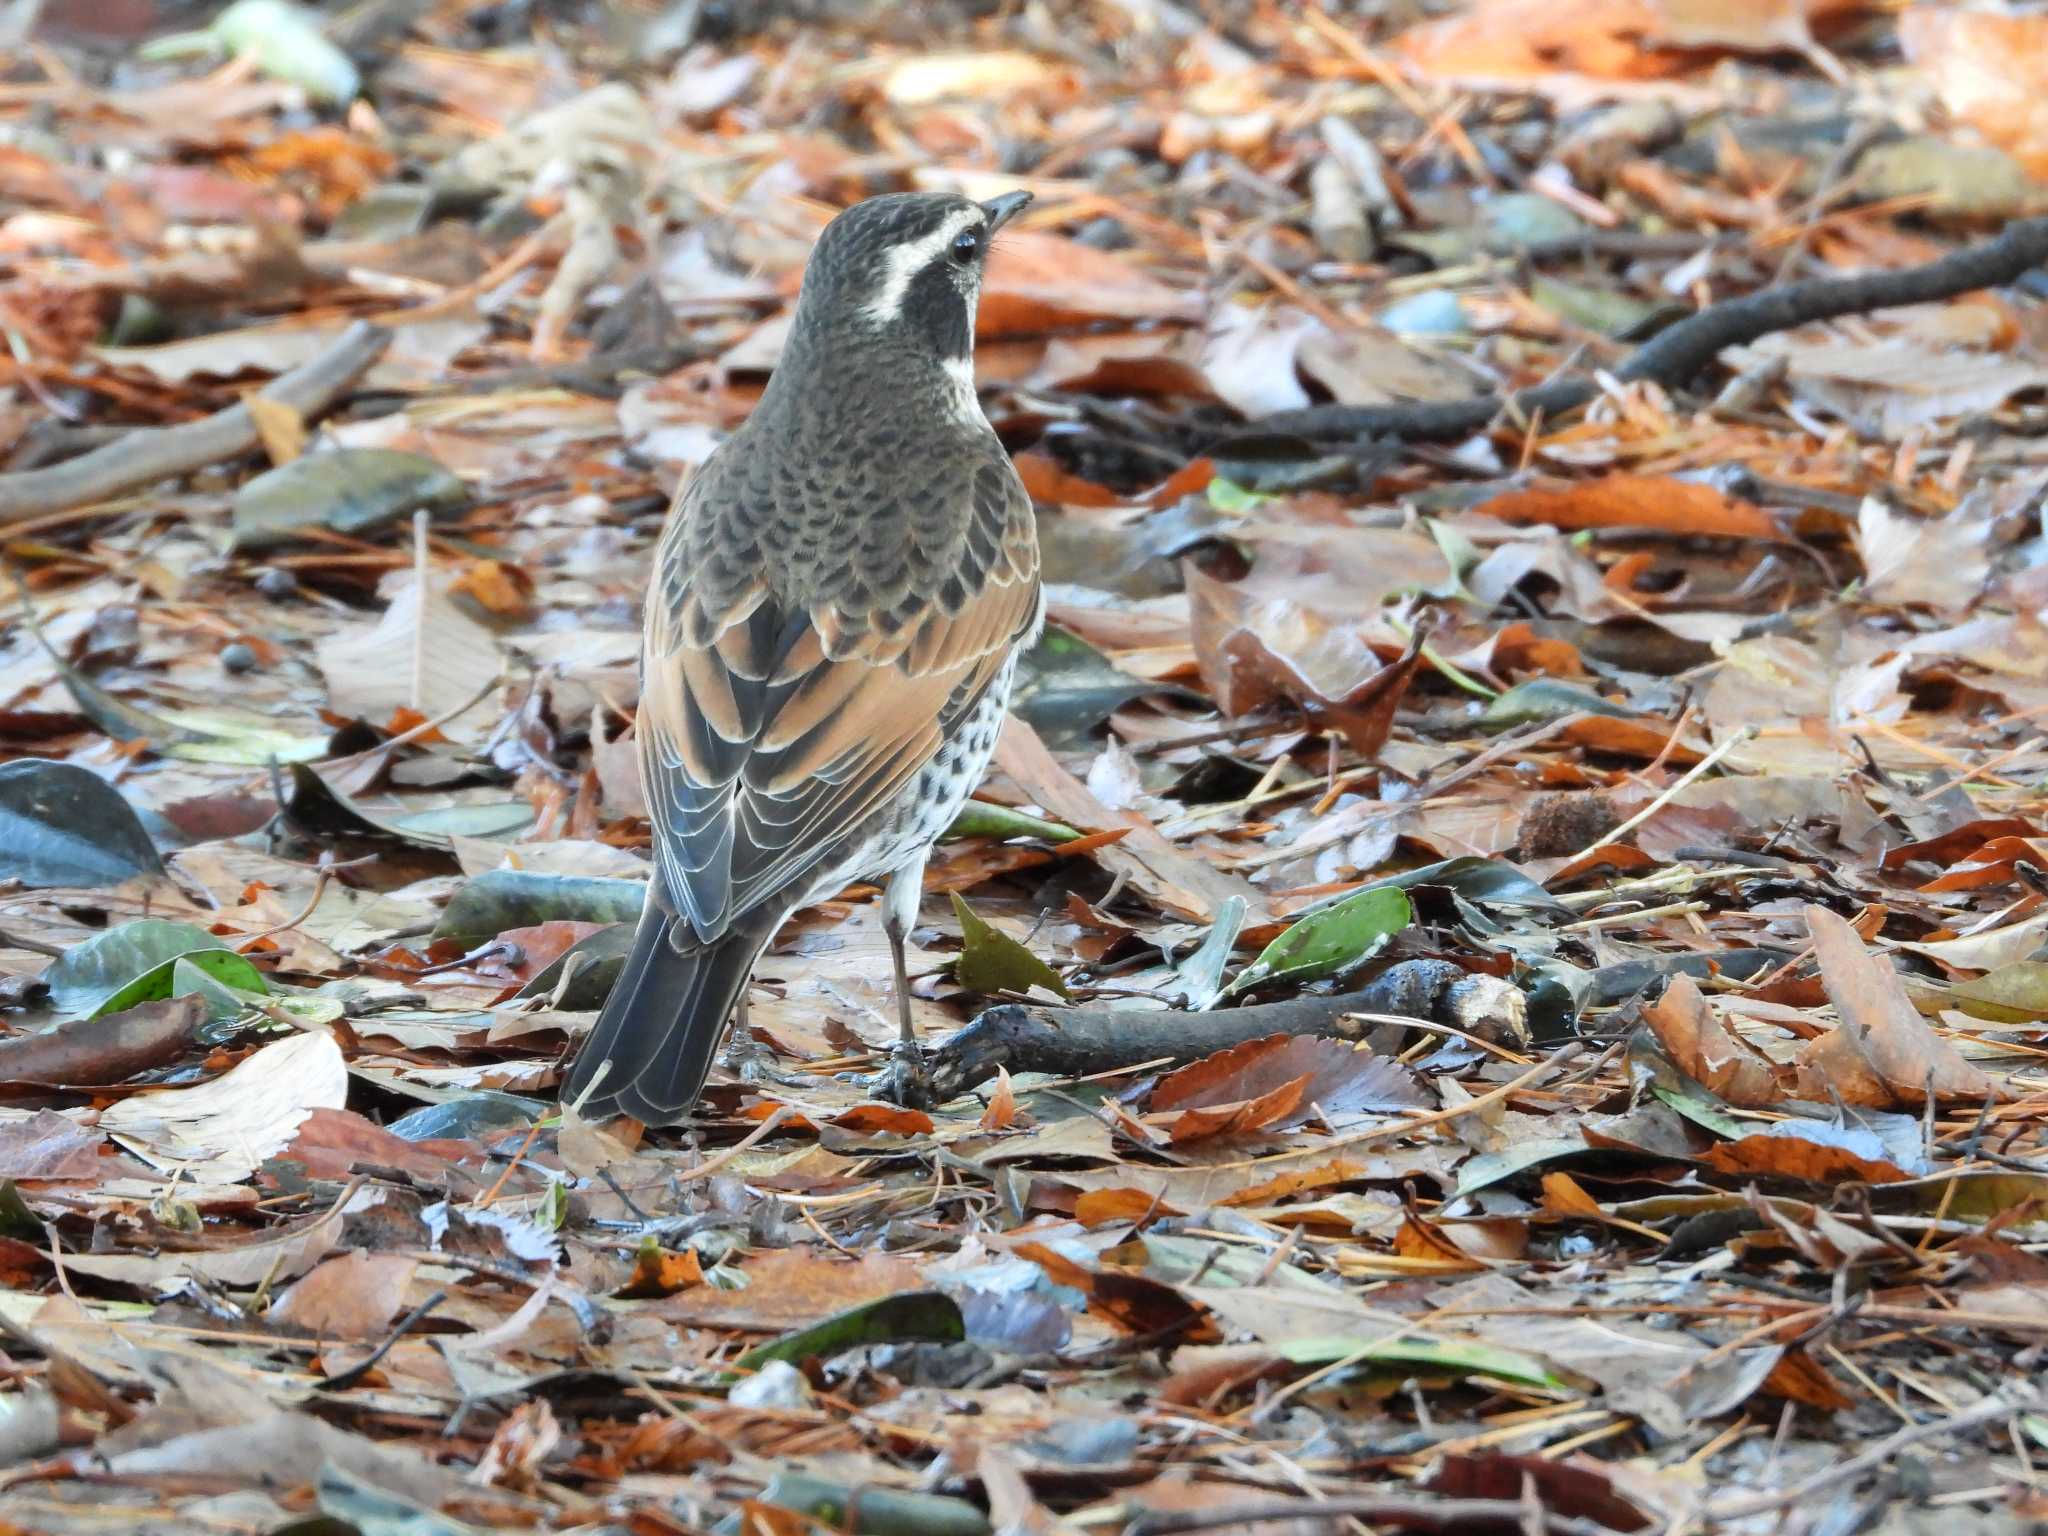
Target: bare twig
{"points": [[149, 454], [1678, 355]]}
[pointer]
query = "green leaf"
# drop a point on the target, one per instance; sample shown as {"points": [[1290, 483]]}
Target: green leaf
{"points": [[1464, 1356], [2016, 993], [88, 977], [1330, 939], [225, 998], [227, 971], [1227, 495], [978, 818], [1066, 688], [1546, 698], [285, 40], [353, 491], [61, 825], [867, 1510], [500, 899], [1491, 1168], [991, 961], [928, 1315], [16, 1219]]}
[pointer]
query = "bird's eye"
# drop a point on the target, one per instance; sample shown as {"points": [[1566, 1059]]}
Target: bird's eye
{"points": [[966, 246]]}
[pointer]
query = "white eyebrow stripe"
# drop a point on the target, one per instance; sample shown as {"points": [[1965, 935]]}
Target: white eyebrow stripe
{"points": [[906, 261]]}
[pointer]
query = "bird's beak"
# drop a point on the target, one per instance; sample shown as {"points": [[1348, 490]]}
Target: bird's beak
{"points": [[1001, 210]]}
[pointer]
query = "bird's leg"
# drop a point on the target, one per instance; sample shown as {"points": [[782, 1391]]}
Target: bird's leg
{"points": [[743, 1057], [899, 915]]}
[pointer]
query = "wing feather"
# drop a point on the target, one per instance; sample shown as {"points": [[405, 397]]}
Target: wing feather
{"points": [[771, 728]]}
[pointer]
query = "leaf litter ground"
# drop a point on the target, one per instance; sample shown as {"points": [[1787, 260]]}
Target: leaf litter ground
{"points": [[1495, 985]]}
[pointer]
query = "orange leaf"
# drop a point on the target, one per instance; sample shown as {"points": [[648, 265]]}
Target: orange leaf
{"points": [[658, 1272], [1636, 501], [1001, 1113], [1707, 1051]]}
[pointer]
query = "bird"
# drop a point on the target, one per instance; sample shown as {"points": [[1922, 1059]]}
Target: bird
{"points": [[834, 615]]}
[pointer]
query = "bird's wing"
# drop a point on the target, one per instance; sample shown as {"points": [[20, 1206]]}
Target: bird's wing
{"points": [[770, 728]]}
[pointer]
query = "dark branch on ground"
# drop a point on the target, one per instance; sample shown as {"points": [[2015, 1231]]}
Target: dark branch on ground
{"points": [[1680, 353], [149, 454], [1081, 1042]]}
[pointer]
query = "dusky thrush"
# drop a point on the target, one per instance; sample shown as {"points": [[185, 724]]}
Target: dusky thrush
{"points": [[835, 612]]}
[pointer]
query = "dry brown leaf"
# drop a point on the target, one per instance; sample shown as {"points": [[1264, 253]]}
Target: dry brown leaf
{"points": [[1280, 1081], [1799, 1157], [227, 1128], [430, 657], [274, 1259], [48, 1145], [1135, 1303], [1707, 1051], [1038, 282], [1881, 1054], [790, 1287], [1181, 883], [351, 1296]]}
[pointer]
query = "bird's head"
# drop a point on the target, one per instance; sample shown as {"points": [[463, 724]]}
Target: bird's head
{"points": [[902, 274]]}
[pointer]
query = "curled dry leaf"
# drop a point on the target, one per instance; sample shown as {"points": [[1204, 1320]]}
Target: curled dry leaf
{"points": [[224, 1130], [1280, 1081], [1707, 1051], [1881, 1054]]}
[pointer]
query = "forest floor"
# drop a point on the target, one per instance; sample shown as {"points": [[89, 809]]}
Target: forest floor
{"points": [[1499, 982]]}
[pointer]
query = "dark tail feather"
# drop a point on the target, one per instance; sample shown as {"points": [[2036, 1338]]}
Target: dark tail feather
{"points": [[662, 1023]]}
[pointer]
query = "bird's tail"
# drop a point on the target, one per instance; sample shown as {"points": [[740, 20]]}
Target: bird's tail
{"points": [[653, 1045]]}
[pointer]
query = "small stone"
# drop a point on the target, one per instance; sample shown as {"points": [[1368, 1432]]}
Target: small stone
{"points": [[778, 1384], [273, 583], [1104, 234], [238, 657]]}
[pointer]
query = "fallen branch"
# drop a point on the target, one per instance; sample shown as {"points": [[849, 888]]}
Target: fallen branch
{"points": [[149, 454], [1677, 355], [1082, 1042]]}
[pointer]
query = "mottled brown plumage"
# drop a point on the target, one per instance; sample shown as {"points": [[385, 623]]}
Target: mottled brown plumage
{"points": [[835, 612]]}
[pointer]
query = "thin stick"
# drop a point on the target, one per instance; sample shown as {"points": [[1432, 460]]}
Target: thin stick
{"points": [[1747, 733], [704, 1170]]}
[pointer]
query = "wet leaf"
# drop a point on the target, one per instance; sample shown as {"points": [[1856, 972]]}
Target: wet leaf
{"points": [[61, 825], [353, 491]]}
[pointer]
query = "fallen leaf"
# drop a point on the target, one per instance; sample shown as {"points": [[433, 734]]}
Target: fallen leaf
{"points": [[48, 1145], [423, 654], [1881, 1052], [227, 1128], [1707, 1051], [351, 1296]]}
